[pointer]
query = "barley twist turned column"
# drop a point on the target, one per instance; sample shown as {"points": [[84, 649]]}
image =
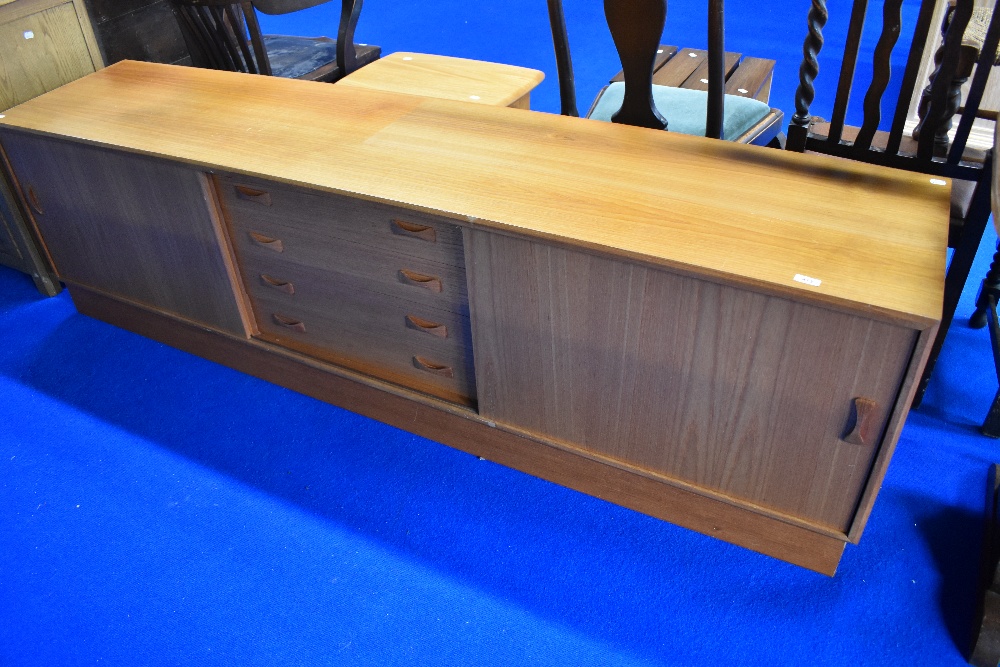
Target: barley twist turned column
{"points": [[804, 94]]}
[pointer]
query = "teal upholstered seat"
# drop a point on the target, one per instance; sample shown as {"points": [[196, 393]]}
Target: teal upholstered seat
{"points": [[684, 109]]}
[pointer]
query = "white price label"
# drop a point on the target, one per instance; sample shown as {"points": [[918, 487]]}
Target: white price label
{"points": [[806, 280]]}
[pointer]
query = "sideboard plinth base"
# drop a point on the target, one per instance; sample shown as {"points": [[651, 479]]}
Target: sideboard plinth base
{"points": [[463, 429]]}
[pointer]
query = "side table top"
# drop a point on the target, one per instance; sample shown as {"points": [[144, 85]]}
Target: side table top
{"points": [[446, 77]]}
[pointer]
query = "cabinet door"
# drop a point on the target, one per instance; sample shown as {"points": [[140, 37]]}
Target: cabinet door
{"points": [[41, 50], [133, 227], [744, 395]]}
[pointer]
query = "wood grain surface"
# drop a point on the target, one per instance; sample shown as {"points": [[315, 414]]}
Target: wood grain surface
{"points": [[460, 428], [128, 225], [447, 78], [371, 287], [43, 44], [865, 239], [746, 395]]}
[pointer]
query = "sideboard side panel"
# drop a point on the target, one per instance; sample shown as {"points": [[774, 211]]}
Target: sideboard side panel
{"points": [[130, 226]]}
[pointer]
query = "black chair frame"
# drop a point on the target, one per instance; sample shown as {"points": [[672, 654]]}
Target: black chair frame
{"points": [[943, 102]]}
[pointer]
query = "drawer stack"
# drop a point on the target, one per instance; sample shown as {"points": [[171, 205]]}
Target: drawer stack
{"points": [[375, 288]]}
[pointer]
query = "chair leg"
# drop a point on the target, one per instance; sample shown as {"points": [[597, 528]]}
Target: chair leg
{"points": [[991, 425], [991, 284], [347, 56], [958, 271]]}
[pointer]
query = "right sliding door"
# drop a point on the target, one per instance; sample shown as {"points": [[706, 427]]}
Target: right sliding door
{"points": [[720, 388]]}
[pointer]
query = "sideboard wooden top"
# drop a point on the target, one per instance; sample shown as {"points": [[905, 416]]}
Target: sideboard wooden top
{"points": [[852, 235]]}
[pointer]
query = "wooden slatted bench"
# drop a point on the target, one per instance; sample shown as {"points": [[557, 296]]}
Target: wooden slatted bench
{"points": [[688, 68]]}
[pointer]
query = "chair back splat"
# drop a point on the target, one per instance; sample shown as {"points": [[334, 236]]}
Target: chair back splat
{"points": [[636, 27], [716, 69], [564, 61], [220, 33], [715, 94], [970, 35], [223, 34]]}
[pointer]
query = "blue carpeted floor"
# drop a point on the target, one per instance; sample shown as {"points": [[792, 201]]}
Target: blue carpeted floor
{"points": [[157, 509]]}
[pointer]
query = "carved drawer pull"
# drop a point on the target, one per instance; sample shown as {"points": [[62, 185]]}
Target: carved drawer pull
{"points": [[861, 423], [267, 242], [420, 280], [422, 232], [431, 367], [252, 194], [420, 324], [280, 285], [289, 322], [34, 201]]}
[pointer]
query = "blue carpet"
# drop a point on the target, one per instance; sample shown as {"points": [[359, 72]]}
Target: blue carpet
{"points": [[158, 509]]}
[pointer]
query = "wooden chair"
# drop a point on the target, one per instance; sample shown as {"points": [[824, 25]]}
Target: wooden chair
{"points": [[989, 296], [226, 35], [931, 153], [714, 93], [986, 304]]}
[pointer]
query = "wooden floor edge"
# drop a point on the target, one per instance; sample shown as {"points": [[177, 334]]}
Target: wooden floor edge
{"points": [[702, 514]]}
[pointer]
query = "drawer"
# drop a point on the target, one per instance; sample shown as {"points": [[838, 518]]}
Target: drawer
{"points": [[343, 266], [398, 340], [315, 218]]}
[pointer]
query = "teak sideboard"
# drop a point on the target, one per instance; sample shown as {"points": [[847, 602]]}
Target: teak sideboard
{"points": [[722, 336]]}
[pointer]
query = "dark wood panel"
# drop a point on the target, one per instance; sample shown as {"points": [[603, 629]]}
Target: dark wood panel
{"points": [[138, 30], [105, 10]]}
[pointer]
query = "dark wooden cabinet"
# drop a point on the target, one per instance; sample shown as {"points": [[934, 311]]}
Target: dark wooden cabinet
{"points": [[138, 30]]}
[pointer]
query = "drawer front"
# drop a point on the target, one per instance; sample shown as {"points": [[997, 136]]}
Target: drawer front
{"points": [[355, 283], [398, 340], [314, 217], [286, 251]]}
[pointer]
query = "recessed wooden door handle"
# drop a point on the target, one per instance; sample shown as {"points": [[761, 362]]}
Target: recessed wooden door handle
{"points": [[431, 367], [246, 193], [289, 322], [280, 285], [420, 324], [422, 232], [862, 422], [267, 242], [431, 283], [34, 202]]}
